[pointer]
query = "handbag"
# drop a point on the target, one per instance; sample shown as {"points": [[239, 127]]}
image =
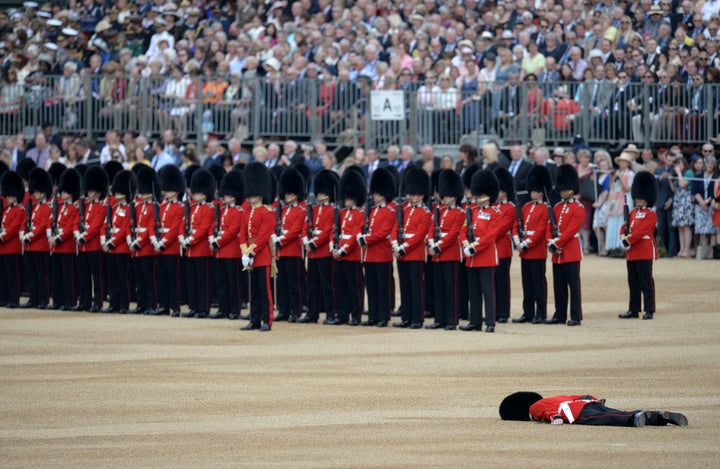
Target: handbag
{"points": [[589, 189]]}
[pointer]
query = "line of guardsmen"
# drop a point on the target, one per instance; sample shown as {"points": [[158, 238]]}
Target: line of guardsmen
{"points": [[207, 237]]}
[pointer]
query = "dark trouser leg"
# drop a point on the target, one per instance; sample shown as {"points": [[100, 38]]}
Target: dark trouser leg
{"points": [[228, 287], [168, 280], [502, 288], [634, 303], [560, 288], [84, 279], [11, 279], [261, 310], [446, 297], [119, 265], [42, 269], [282, 294], [475, 296], [534, 288], [371, 284], [149, 274], [201, 274], [430, 282], [597, 414], [412, 295], [343, 290], [140, 283], [487, 280], [644, 284], [315, 288], [572, 275], [31, 276], [462, 291], [327, 266], [191, 292], [97, 264], [65, 279]]}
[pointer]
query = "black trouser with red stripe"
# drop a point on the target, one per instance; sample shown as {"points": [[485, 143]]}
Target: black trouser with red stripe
{"points": [[289, 286], [10, 279], [348, 290], [596, 413], [91, 287], [63, 276], [412, 290], [118, 281], [640, 282], [566, 277], [145, 282], [199, 284], [462, 291], [168, 279], [378, 276], [482, 280], [228, 289], [534, 288], [261, 309], [37, 265], [320, 287], [502, 288], [446, 295], [430, 282]]}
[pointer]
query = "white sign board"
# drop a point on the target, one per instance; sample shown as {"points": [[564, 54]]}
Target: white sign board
{"points": [[387, 105]]}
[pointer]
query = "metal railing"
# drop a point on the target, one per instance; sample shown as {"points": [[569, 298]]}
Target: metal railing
{"points": [[311, 109]]}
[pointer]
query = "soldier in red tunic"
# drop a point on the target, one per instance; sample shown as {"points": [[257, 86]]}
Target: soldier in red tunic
{"points": [[166, 241], [287, 245], [255, 244], [565, 248], [378, 252], [114, 242], [506, 229], [638, 240], [196, 243], [12, 189], [62, 240], [414, 222], [320, 275], [478, 240], [346, 252], [141, 246], [444, 247], [37, 248], [91, 268], [463, 286], [531, 242], [226, 243]]}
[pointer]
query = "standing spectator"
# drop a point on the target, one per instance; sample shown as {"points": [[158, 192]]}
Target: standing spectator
{"points": [[620, 185], [586, 176], [40, 154], [600, 214], [703, 194], [682, 214], [667, 235]]}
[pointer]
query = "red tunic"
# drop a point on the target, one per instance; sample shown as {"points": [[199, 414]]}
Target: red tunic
{"points": [[323, 215], [202, 222], [641, 239], [383, 219], [255, 234], [351, 224], [95, 213], [172, 224], [568, 407], [569, 216], [536, 223], [145, 228], [417, 221], [292, 220], [120, 229], [452, 220], [486, 223], [507, 226], [67, 225], [39, 226], [13, 220], [228, 237]]}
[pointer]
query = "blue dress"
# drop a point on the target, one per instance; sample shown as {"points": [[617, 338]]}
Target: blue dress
{"points": [[682, 208]]}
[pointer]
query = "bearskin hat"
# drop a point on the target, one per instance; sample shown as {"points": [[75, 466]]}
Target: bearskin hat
{"points": [[383, 182], [485, 182], [539, 180], [189, 171], [12, 185], [203, 182], [507, 184], [353, 186], [434, 179], [125, 183], [148, 182], [305, 173], [396, 175], [56, 169], [357, 169], [96, 179], [39, 180], [257, 181], [70, 182], [171, 179], [417, 182], [24, 167], [567, 179], [232, 184], [644, 187], [81, 168], [4, 168], [292, 182], [112, 167], [326, 182], [218, 173], [136, 168], [468, 174], [450, 185], [517, 406]]}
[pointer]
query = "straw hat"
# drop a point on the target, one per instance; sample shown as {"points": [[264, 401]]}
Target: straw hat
{"points": [[624, 156], [631, 148]]}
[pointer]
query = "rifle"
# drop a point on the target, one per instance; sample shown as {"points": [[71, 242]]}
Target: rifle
{"points": [[156, 215], [28, 214], [436, 222], [518, 215], [401, 222], [216, 229], [626, 217], [133, 220], [366, 225], [309, 216], [553, 223], [187, 217], [81, 213], [108, 222], [54, 224], [336, 219], [470, 230]]}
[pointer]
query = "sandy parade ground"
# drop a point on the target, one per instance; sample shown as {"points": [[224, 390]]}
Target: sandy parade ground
{"points": [[95, 390]]}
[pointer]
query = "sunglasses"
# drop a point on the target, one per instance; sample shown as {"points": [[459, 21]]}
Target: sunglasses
{"points": [[673, 48]]}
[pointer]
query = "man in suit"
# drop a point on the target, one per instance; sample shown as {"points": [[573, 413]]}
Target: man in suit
{"points": [[594, 100], [373, 162], [86, 155], [519, 168], [697, 117], [159, 157], [541, 157], [427, 151], [548, 78], [393, 155], [667, 235], [212, 153], [290, 152], [16, 153], [510, 107], [618, 113], [407, 155]]}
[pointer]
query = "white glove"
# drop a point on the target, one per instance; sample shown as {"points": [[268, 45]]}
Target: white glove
{"points": [[305, 240], [181, 239], [273, 239], [246, 260], [467, 251], [523, 246], [516, 241]]}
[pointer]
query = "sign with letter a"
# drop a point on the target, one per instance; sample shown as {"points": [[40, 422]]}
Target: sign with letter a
{"points": [[387, 105]]}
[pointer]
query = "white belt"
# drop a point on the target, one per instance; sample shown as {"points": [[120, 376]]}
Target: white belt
{"points": [[115, 230], [565, 409], [164, 230], [646, 237], [141, 229], [409, 235], [530, 232], [317, 232], [442, 235], [346, 237]]}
